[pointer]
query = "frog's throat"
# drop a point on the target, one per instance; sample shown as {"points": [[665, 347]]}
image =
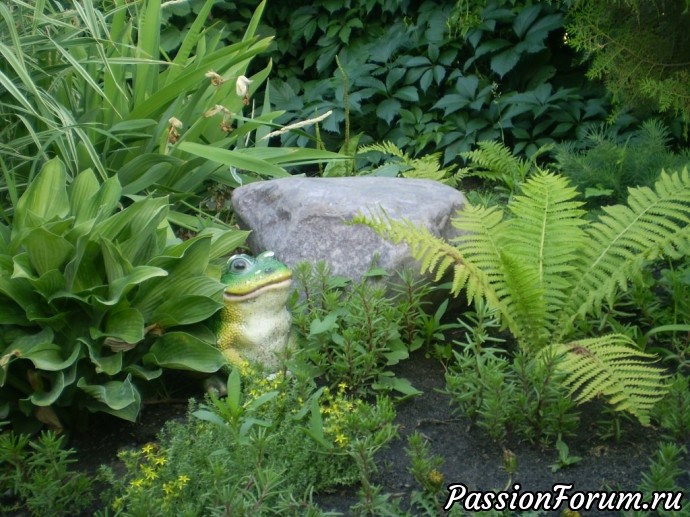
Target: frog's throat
{"points": [[235, 298]]}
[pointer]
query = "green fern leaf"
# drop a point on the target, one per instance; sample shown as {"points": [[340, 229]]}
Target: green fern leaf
{"points": [[434, 254], [611, 366], [528, 256], [654, 223]]}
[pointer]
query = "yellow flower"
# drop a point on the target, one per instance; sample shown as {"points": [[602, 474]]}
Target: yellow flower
{"points": [[341, 439], [137, 483], [182, 480], [160, 460], [149, 448], [149, 473], [435, 477], [168, 488], [342, 387]]}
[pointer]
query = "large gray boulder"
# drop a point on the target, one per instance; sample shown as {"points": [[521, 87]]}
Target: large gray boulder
{"points": [[305, 219]]}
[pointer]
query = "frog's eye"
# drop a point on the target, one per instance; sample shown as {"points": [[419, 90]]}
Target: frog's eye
{"points": [[238, 264]]}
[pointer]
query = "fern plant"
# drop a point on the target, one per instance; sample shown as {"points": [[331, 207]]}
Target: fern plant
{"points": [[402, 164], [493, 161], [545, 266]]}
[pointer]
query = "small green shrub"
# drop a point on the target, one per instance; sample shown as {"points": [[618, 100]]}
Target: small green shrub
{"points": [[265, 448], [352, 333], [663, 475], [97, 298], [36, 476], [523, 395], [603, 164]]}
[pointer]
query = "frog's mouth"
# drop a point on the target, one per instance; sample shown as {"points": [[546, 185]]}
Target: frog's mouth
{"points": [[283, 285]]}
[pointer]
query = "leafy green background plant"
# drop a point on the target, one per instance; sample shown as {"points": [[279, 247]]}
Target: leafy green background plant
{"points": [[422, 77]]}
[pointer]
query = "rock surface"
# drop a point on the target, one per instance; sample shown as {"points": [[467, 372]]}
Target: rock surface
{"points": [[306, 219]]}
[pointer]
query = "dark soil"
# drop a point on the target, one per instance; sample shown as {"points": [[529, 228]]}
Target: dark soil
{"points": [[470, 457]]}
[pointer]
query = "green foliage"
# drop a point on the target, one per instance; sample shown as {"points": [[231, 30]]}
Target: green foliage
{"points": [[412, 81], [604, 164], [664, 475], [351, 333], [495, 162], [264, 449], [399, 163], [424, 467], [524, 396], [673, 412], [98, 297], [99, 93], [35, 476], [564, 457], [641, 48], [545, 267]]}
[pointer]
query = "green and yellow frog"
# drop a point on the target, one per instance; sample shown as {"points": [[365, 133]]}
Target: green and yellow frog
{"points": [[254, 324]]}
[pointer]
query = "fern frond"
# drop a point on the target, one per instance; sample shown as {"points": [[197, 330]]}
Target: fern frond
{"points": [[386, 147], [611, 366], [546, 232], [527, 257], [435, 255], [493, 160], [655, 223]]}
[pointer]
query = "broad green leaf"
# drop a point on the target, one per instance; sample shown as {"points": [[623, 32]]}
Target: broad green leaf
{"points": [[47, 251], [182, 351], [42, 351], [224, 241], [120, 398], [122, 286], [125, 324], [505, 61], [388, 109], [55, 385], [81, 194], [46, 196], [143, 373], [115, 263], [109, 363], [185, 309]]}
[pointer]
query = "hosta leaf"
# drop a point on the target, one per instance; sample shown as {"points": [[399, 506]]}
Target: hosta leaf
{"points": [[42, 351], [185, 309], [182, 351], [224, 241], [47, 251], [125, 324], [45, 198], [48, 386], [119, 398], [109, 362], [123, 285]]}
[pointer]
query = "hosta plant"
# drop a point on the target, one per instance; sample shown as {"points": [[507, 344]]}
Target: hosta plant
{"points": [[545, 267], [96, 298]]}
